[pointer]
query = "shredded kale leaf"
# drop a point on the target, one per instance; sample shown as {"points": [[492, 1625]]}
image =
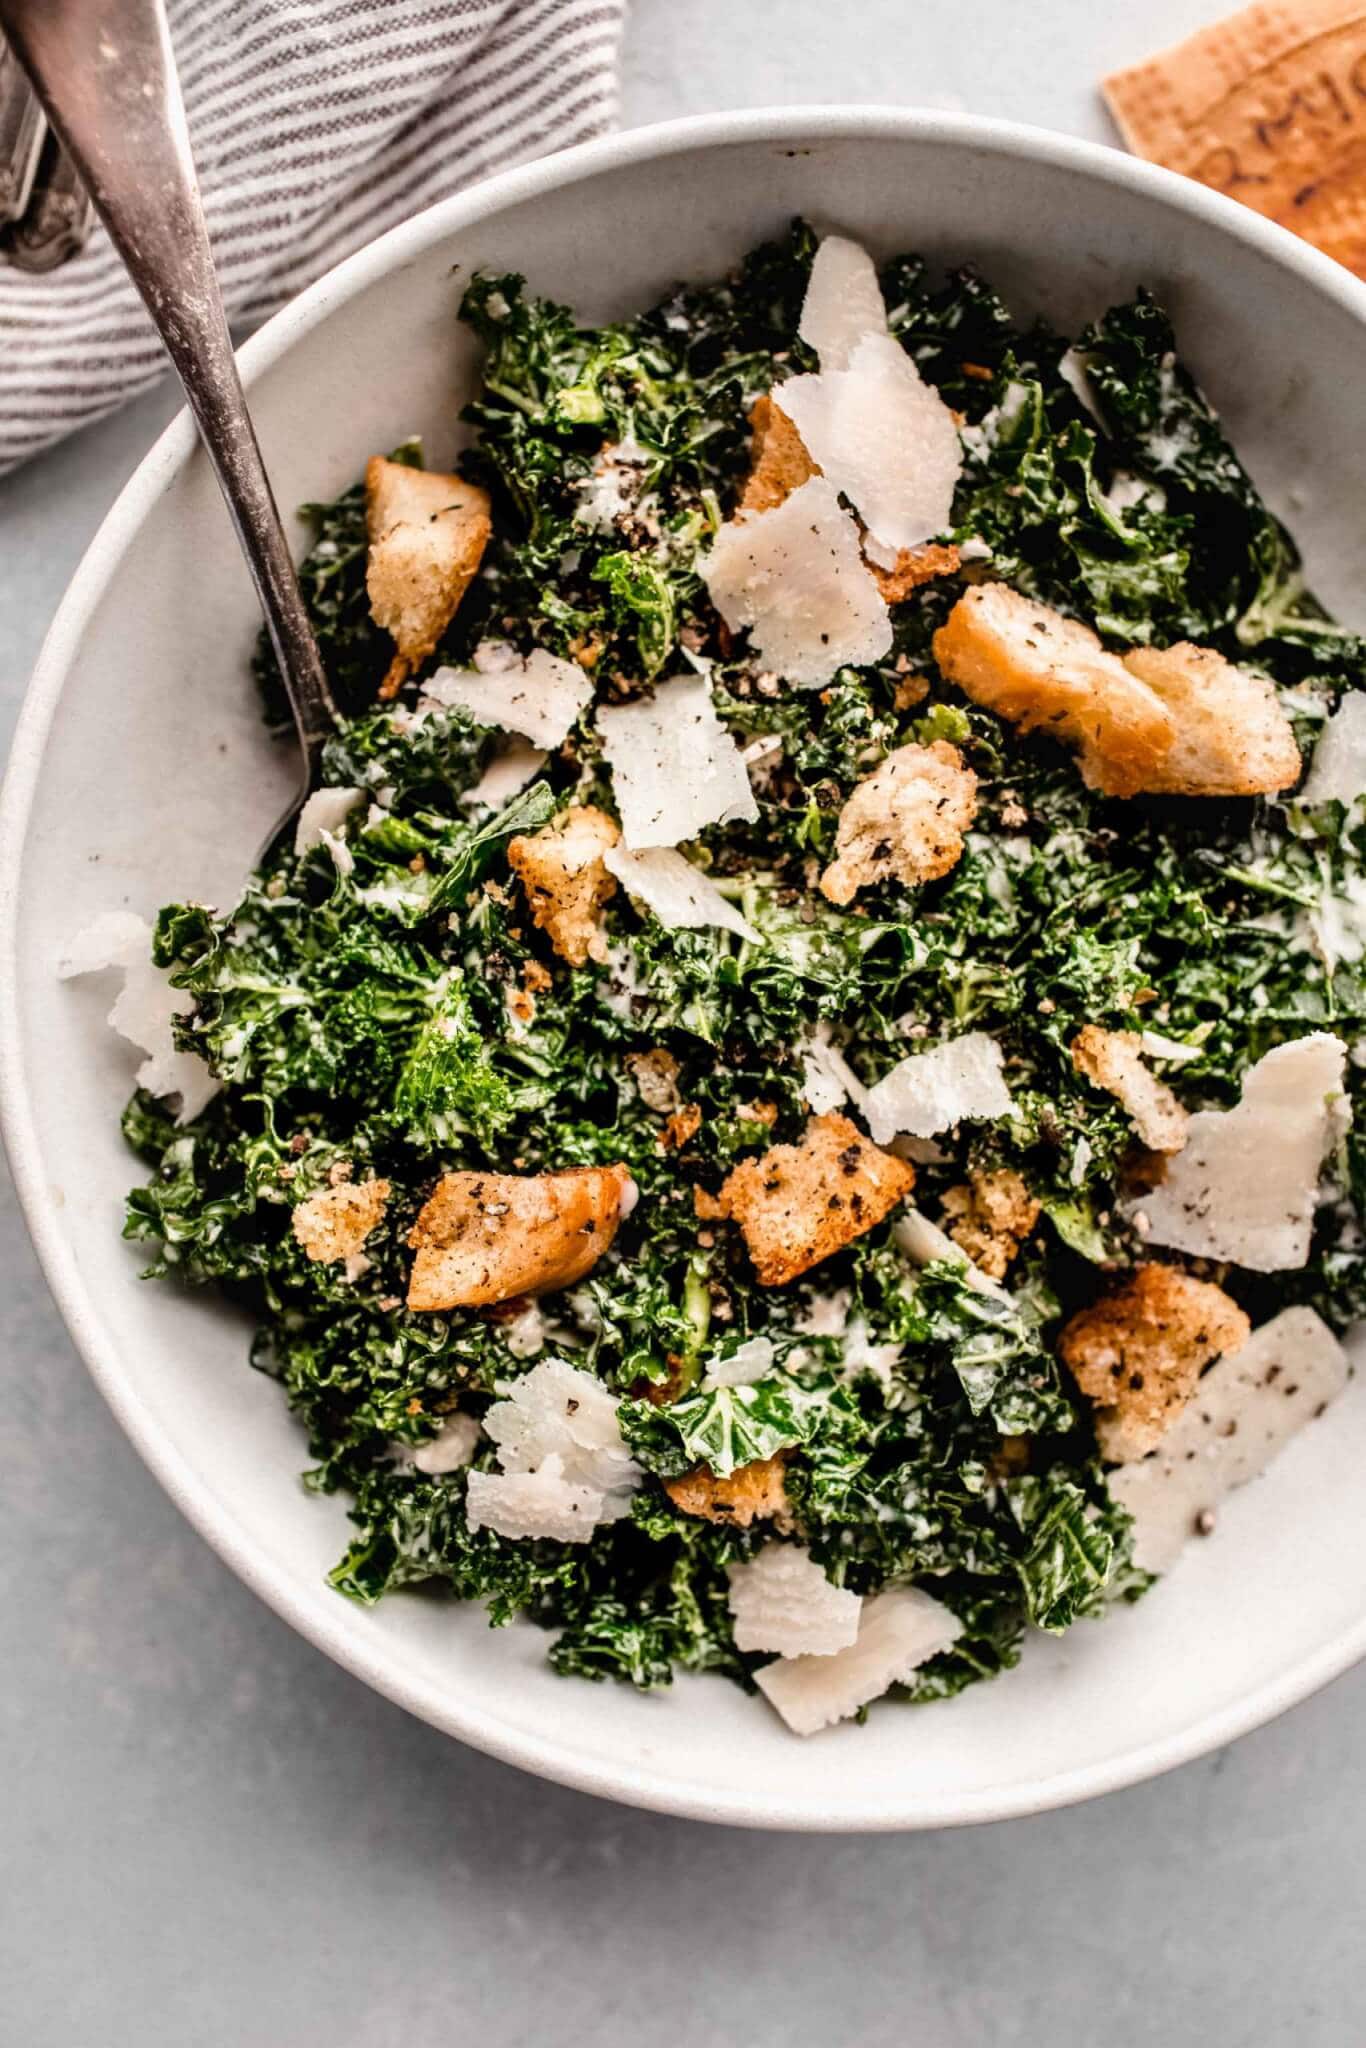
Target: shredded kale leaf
{"points": [[392, 1011]]}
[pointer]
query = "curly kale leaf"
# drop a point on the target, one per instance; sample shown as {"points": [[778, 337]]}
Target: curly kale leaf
{"points": [[997, 1352], [645, 603], [1244, 570], [721, 1427], [1077, 1546]]}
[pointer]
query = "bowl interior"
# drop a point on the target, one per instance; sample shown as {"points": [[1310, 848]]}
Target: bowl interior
{"points": [[153, 780]]}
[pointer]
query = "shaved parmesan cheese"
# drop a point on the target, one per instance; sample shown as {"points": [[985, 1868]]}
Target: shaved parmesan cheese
{"points": [[1075, 371], [506, 774], [1335, 927], [538, 695], [320, 821], [675, 768], [559, 1411], [923, 1242], [920, 1151], [680, 895], [883, 437], [525, 1334], [534, 1504], [146, 1007], [1244, 1410], [1337, 773], [861, 1356], [827, 1078], [782, 1601], [898, 1631], [843, 302], [1174, 1050], [114, 939], [742, 1367], [1245, 1187], [826, 1316], [451, 1448], [931, 1091], [565, 1470], [796, 578]]}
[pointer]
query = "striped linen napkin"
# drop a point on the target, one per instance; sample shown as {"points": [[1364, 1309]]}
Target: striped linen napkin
{"points": [[316, 124]]}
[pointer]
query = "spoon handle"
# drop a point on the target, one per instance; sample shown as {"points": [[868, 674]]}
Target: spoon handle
{"points": [[105, 73]]}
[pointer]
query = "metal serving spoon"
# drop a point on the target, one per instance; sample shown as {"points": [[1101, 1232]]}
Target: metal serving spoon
{"points": [[106, 76]]}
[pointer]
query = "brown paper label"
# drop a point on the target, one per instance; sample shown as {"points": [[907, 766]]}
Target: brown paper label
{"points": [[1270, 107]]}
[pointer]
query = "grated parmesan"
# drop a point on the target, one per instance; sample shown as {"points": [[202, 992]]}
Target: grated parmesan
{"points": [[614, 487], [525, 1334], [861, 1355], [782, 1601], [826, 1315]]}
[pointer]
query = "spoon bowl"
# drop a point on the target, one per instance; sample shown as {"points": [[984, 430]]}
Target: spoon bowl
{"points": [[105, 73]]}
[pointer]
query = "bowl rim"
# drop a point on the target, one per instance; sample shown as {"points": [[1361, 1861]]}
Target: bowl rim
{"points": [[543, 1754]]}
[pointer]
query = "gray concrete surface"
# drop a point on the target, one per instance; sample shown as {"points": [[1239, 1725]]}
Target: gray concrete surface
{"points": [[208, 1835]]}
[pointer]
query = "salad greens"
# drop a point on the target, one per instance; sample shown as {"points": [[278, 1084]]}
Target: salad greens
{"points": [[369, 1016]]}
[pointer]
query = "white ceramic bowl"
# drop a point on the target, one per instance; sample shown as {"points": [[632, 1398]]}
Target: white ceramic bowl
{"points": [[139, 774]]}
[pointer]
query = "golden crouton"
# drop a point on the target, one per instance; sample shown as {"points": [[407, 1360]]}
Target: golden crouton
{"points": [[681, 1128], [905, 819], [1176, 721], [334, 1224], [1011, 1457], [1114, 1061], [427, 533], [566, 881], [1232, 738], [751, 1493], [1038, 670], [655, 1074], [485, 1237], [991, 1218], [912, 567], [779, 463], [1138, 1353], [798, 1204]]}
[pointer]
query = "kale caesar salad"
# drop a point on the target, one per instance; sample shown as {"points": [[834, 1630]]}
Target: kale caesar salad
{"points": [[787, 1109]]}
